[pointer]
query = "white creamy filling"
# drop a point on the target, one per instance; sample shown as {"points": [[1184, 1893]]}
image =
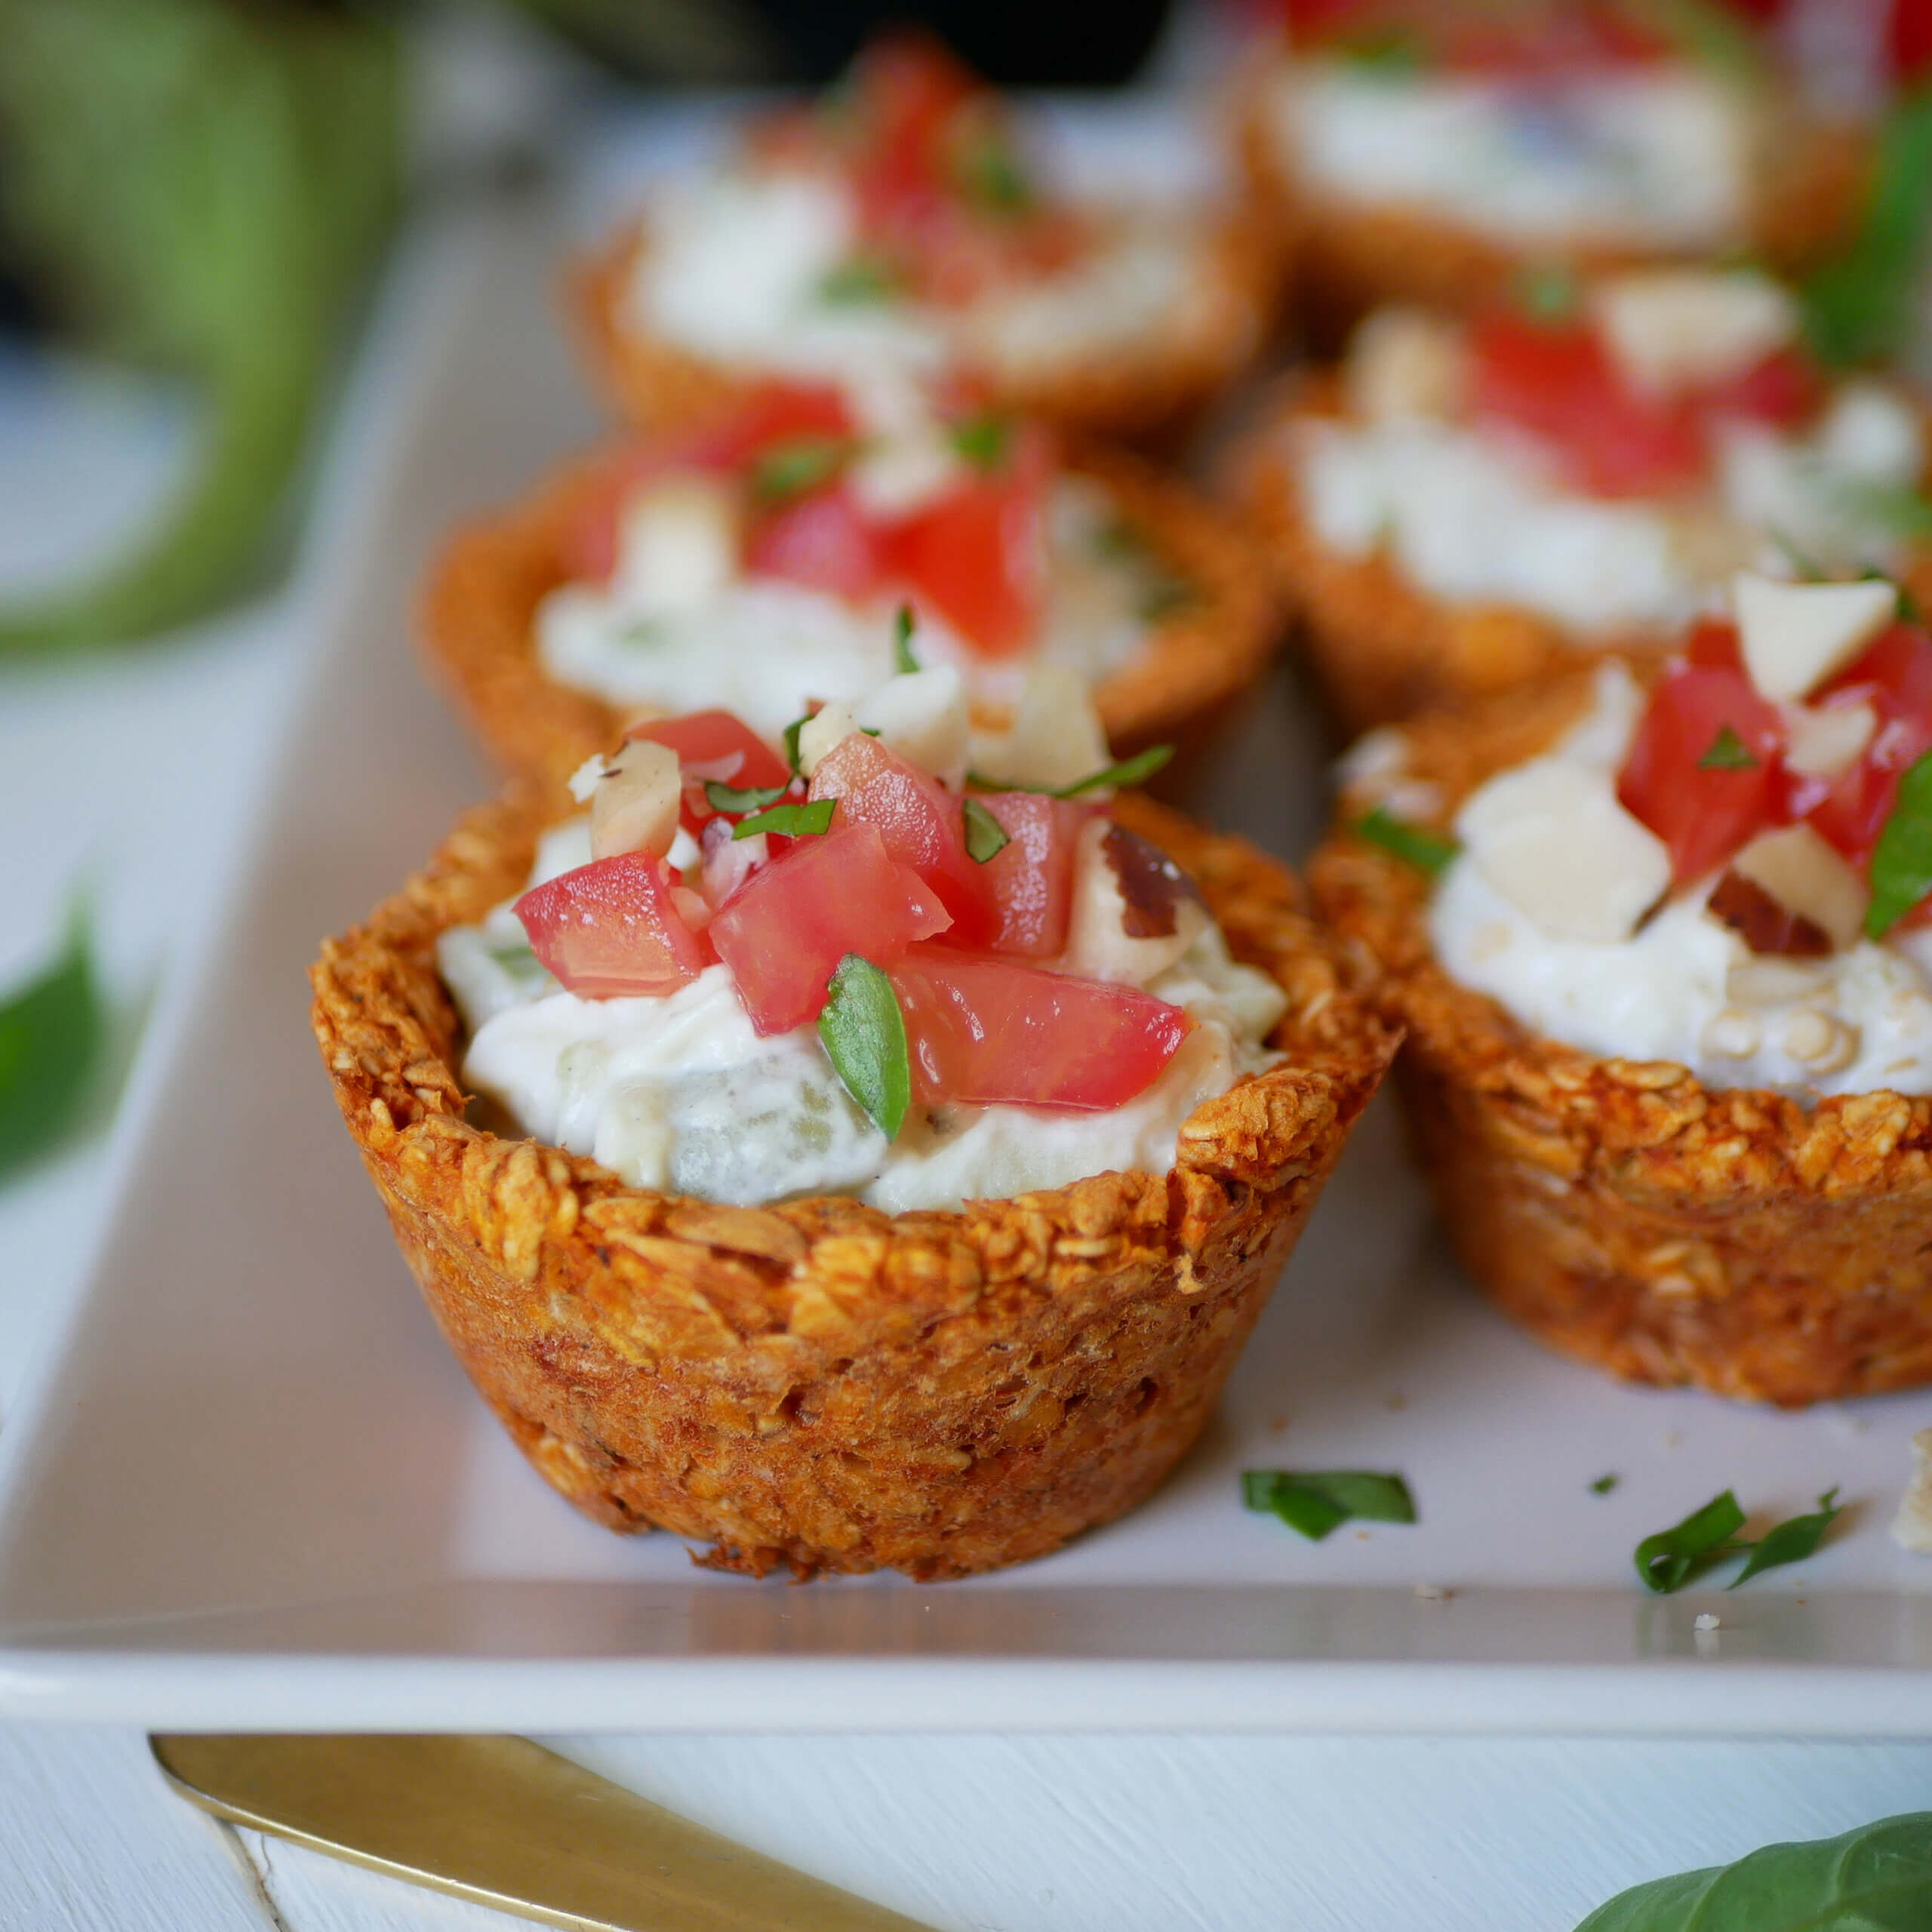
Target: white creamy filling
{"points": [[737, 267], [761, 648], [1659, 157], [1472, 516], [1685, 988]]}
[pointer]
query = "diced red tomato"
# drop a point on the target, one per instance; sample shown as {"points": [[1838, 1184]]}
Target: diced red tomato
{"points": [[1894, 676], [1782, 390], [908, 88], [1702, 814], [1558, 383], [989, 1031], [978, 556], [611, 929], [790, 922], [1909, 39], [1714, 643], [1032, 877], [821, 540]]}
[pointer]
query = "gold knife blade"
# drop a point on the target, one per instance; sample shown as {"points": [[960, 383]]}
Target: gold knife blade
{"points": [[504, 1823]]}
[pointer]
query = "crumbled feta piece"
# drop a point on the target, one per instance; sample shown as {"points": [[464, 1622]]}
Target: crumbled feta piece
{"points": [[1054, 737], [1404, 362], [1795, 635], [1674, 329], [1911, 1527], [830, 725], [923, 717]]}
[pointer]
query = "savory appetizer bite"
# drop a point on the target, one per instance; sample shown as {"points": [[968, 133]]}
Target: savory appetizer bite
{"points": [[1661, 935], [1465, 504], [833, 1158], [899, 220], [757, 562], [1424, 153]]}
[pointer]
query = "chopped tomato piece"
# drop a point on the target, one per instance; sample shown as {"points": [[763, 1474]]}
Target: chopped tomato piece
{"points": [[1703, 811], [1714, 643], [990, 1031], [788, 925], [611, 929], [1558, 383], [909, 88], [774, 412], [1031, 877], [1782, 390], [1894, 676], [978, 556], [820, 541]]}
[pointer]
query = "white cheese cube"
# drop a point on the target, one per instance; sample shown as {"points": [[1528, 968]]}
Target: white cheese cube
{"points": [[634, 807], [895, 477], [1872, 431], [1807, 876], [1824, 743], [1055, 738], [1795, 635], [1671, 330], [1404, 362], [677, 547], [1552, 838], [923, 715], [830, 724]]}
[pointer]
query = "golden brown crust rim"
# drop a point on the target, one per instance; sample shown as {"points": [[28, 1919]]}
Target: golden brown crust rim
{"points": [[1147, 392], [1349, 259], [1623, 1211], [818, 1384], [478, 620], [1380, 648]]}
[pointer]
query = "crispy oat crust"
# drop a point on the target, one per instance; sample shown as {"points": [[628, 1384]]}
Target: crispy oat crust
{"points": [[1149, 393], [1381, 649], [1812, 175], [477, 614], [1624, 1213], [818, 1384]]}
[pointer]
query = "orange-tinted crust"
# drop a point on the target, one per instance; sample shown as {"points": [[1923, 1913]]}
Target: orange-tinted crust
{"points": [[818, 1384], [1624, 1213], [478, 614]]}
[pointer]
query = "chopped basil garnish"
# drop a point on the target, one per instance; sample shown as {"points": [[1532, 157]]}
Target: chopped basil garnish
{"points": [[1901, 869], [1603, 1485], [52, 1031], [991, 173], [1909, 610], [983, 441], [1427, 851], [790, 469], [1315, 1501], [903, 625], [1902, 511], [792, 731], [1129, 771], [1879, 1875], [1711, 34], [795, 821], [1727, 752], [986, 837], [1861, 306], [864, 1035], [1547, 292], [723, 797], [1792, 1540], [864, 278], [1395, 54]]}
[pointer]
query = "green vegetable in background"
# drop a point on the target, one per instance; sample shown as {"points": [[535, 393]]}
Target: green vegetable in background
{"points": [[52, 1031], [1878, 1878], [203, 186]]}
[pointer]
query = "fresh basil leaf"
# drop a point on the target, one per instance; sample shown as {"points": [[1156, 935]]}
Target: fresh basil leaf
{"points": [[792, 468], [864, 1035], [1134, 770], [1792, 1541], [994, 176], [1878, 1878], [984, 440], [1711, 34], [986, 837], [903, 625], [1605, 1484], [723, 797], [1427, 851], [1392, 54], [792, 731], [795, 821], [1315, 1501], [1861, 306], [52, 1032], [862, 279], [1726, 752], [1667, 1561], [1804, 567], [1901, 868], [1548, 293]]}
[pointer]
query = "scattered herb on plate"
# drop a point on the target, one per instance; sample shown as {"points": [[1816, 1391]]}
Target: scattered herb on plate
{"points": [[1792, 1540], [1315, 1501], [52, 1031], [1605, 1484], [1668, 1559]]}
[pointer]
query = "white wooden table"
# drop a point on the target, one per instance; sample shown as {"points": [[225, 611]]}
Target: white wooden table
{"points": [[112, 770]]}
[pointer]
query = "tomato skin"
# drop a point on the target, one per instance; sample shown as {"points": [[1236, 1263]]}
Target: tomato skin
{"points": [[1031, 879], [1714, 643], [1894, 676], [610, 929], [977, 557], [822, 541], [908, 87], [785, 929], [1703, 816], [1909, 39], [1784, 390], [993, 1031]]}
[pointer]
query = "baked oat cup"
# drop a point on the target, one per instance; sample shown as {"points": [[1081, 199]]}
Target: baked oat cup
{"points": [[817, 1384], [1624, 1211], [477, 621]]}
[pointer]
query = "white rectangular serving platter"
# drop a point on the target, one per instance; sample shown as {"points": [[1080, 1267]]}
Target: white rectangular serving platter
{"points": [[251, 1489]]}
